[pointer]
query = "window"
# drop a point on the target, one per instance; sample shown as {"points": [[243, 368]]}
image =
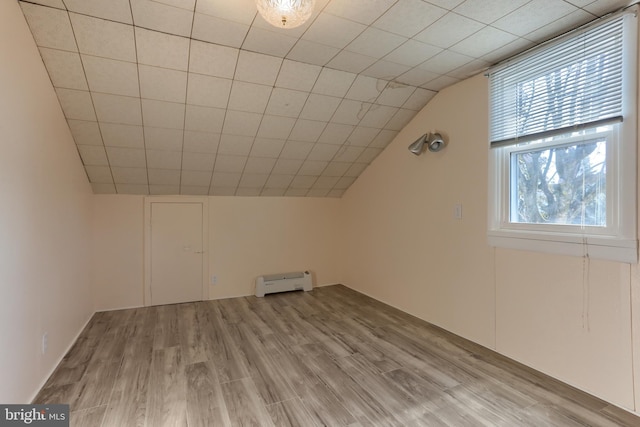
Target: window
{"points": [[563, 145]]}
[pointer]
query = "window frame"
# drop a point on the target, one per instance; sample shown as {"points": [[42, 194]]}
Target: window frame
{"points": [[618, 240]]}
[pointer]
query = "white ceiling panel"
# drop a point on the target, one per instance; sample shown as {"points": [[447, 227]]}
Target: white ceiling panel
{"points": [[206, 97]]}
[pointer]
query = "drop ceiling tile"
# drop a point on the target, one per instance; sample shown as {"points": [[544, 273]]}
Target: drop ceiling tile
{"points": [[386, 70], [162, 50], [334, 193], [445, 61], [296, 192], [111, 76], [279, 181], [440, 83], [286, 102], [196, 178], [312, 168], [333, 82], [201, 142], [395, 94], [297, 75], [126, 158], [162, 84], [533, 15], [303, 182], [64, 68], [162, 17], [369, 154], [375, 43], [268, 42], [164, 114], [257, 68], [312, 53], [273, 192], [84, 132], [208, 91], [162, 159], [51, 3], [325, 183], [517, 46], [355, 170], [259, 165], [76, 104], [117, 135], [318, 192], [241, 123], [115, 10], [487, 11], [204, 119], [336, 133], [350, 112], [348, 154], [419, 99], [163, 138], [362, 11], [307, 130], [164, 190], [293, 150], [484, 41], [132, 189], [345, 182], [336, 169], [351, 61], [212, 59], [235, 145], [602, 7], [229, 164], [333, 31], [320, 107], [248, 191], [242, 11], [384, 138], [555, 28], [222, 191], [99, 174], [323, 152], [226, 179], [470, 69], [417, 77], [194, 191], [93, 155], [253, 180], [50, 27], [267, 147], [378, 115], [249, 97], [409, 17], [276, 127], [412, 53], [366, 88], [362, 136], [127, 175], [287, 166], [198, 162], [400, 119], [106, 39], [449, 30], [220, 31], [164, 177]]}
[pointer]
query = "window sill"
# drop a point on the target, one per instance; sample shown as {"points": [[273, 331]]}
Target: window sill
{"points": [[597, 247]]}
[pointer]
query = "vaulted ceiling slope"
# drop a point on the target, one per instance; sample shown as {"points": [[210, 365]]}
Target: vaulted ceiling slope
{"points": [[205, 97]]}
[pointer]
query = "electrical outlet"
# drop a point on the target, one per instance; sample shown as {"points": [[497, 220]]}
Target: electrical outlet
{"points": [[457, 211], [45, 342], [214, 279]]}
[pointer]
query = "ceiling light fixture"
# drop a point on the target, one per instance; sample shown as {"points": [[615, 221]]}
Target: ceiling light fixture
{"points": [[285, 13], [433, 141]]}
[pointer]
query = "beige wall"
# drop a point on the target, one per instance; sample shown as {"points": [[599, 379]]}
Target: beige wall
{"points": [[44, 219], [565, 316], [248, 237]]}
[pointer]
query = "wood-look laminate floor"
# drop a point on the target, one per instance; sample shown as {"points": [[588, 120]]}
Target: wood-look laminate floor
{"points": [[330, 357]]}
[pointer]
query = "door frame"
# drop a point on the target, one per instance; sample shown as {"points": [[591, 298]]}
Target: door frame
{"points": [[148, 201]]}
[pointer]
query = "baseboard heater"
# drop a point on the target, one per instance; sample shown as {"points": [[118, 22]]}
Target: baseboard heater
{"points": [[283, 282]]}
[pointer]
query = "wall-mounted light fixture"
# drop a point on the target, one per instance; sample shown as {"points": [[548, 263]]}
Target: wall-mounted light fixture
{"points": [[433, 141]]}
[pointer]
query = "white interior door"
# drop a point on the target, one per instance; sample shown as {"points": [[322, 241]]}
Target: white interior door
{"points": [[176, 246]]}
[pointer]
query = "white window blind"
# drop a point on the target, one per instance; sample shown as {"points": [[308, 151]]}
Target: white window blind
{"points": [[572, 84]]}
